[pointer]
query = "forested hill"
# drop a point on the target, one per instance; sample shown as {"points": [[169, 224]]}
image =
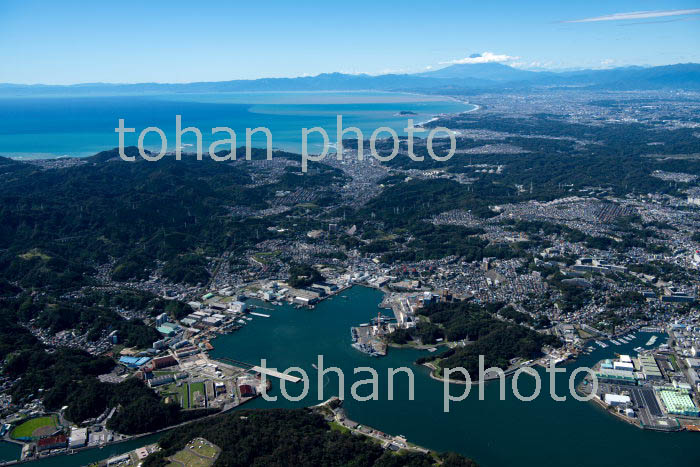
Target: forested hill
{"points": [[57, 224], [298, 437]]}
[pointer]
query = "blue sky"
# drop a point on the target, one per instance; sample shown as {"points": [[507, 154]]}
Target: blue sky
{"points": [[175, 41]]}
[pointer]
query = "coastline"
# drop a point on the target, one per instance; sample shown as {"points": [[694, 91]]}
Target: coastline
{"points": [[91, 148], [508, 373]]}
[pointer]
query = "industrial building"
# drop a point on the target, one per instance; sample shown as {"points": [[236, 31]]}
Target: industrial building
{"points": [[616, 400], [624, 366], [189, 322], [78, 438], [649, 368], [247, 390], [133, 362], [52, 442], [305, 297], [615, 376], [211, 321], [159, 344], [678, 401]]}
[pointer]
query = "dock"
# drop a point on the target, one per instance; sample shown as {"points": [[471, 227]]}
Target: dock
{"points": [[254, 313], [364, 340]]}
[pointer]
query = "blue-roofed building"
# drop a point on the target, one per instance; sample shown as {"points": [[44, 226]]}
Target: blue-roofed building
{"points": [[134, 362]]}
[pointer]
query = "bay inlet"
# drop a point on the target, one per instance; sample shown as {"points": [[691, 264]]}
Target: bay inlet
{"points": [[492, 432]]}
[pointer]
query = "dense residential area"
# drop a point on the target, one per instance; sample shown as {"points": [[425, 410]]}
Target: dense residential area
{"points": [[549, 232], [366, 234]]}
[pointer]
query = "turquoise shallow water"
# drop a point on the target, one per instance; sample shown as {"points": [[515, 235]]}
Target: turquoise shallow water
{"points": [[493, 432], [43, 127]]}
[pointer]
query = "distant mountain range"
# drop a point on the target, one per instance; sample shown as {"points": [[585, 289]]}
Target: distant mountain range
{"points": [[483, 76]]}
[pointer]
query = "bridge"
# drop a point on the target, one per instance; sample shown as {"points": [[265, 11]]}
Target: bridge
{"points": [[276, 374], [259, 369]]}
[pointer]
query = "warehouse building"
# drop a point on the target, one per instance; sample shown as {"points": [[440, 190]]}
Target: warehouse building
{"points": [[78, 438], [616, 400], [211, 321], [678, 402], [615, 377], [623, 366], [649, 367], [189, 322]]}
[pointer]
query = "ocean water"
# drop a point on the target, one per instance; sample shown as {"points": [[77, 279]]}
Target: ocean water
{"points": [[48, 127], [9, 451], [493, 432]]}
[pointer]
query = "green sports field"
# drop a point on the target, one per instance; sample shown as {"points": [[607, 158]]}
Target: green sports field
{"points": [[36, 427]]}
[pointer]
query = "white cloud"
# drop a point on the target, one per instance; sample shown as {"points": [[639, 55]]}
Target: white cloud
{"points": [[535, 65], [637, 15], [486, 57], [607, 61]]}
